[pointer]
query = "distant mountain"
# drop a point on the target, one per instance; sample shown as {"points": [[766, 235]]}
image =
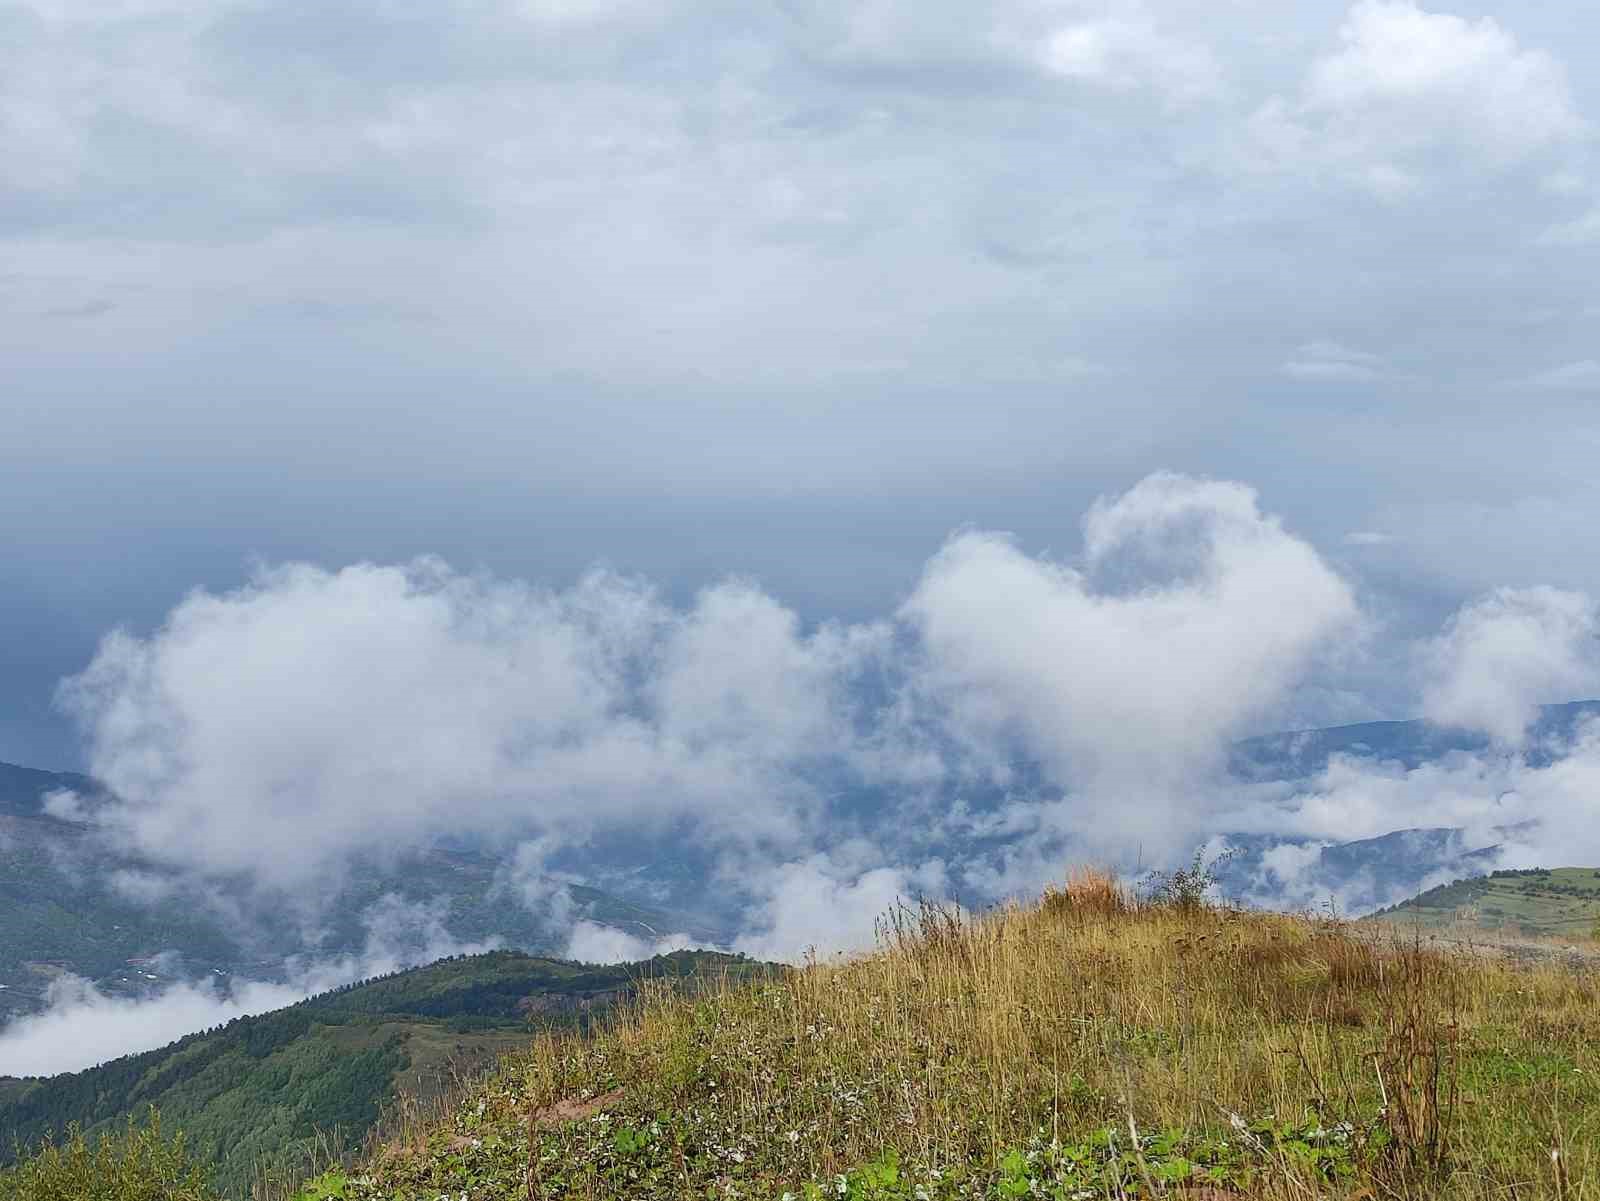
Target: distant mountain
{"points": [[257, 1091], [22, 789], [1356, 876], [1373, 872], [1295, 754], [72, 904]]}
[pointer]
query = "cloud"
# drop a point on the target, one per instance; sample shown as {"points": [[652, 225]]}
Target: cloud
{"points": [[1192, 614], [1532, 811], [1582, 376], [1504, 654], [1368, 538], [829, 904], [591, 942], [1583, 231], [1323, 361], [81, 1026], [1409, 91], [401, 704], [85, 310], [384, 707], [1125, 52]]}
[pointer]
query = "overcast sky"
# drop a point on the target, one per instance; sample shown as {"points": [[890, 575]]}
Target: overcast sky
{"points": [[786, 291], [558, 421]]}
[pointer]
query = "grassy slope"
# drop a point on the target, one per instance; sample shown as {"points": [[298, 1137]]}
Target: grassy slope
{"points": [[259, 1089], [1016, 1055], [1559, 903]]}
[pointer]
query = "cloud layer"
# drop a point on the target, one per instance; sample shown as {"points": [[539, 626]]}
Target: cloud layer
{"points": [[311, 716], [82, 1026], [1014, 712]]}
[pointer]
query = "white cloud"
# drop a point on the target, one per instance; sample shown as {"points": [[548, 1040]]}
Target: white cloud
{"points": [[591, 942], [1409, 90], [1321, 361], [313, 715], [82, 1026], [830, 904], [1126, 51], [1536, 813], [399, 704], [1368, 538], [1504, 654], [1193, 613]]}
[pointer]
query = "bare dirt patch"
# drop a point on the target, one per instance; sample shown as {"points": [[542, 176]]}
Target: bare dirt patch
{"points": [[572, 1109]]}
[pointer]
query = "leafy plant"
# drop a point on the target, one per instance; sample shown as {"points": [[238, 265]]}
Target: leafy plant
{"points": [[1188, 887], [330, 1186]]}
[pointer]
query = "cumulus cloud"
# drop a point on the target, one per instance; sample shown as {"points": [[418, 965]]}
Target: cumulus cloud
{"points": [[282, 727], [1192, 612], [1409, 90], [829, 904], [1504, 654], [312, 716]]}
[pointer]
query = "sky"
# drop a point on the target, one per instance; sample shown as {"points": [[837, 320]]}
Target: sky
{"points": [[541, 419], [786, 293]]}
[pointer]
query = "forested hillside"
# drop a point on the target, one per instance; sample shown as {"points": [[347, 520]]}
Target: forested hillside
{"points": [[257, 1091]]}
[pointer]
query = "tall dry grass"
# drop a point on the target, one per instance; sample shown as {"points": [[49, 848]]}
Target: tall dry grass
{"points": [[967, 1039]]}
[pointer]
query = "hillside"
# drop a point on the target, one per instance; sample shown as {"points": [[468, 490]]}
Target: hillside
{"points": [[257, 1090], [1561, 902], [1295, 754], [1075, 1049], [1083, 1047]]}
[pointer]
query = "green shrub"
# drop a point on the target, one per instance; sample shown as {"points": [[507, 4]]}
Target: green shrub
{"points": [[138, 1165], [1187, 887]]}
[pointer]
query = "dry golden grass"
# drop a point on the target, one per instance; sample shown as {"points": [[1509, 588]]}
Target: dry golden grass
{"points": [[1164, 1047]]}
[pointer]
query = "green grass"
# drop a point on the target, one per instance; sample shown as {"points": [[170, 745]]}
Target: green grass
{"points": [[271, 1093], [1078, 1049], [1084, 1047], [1559, 903]]}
